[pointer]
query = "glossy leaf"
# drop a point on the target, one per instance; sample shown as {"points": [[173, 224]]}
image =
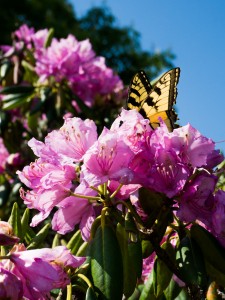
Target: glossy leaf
{"points": [[147, 248], [49, 38], [14, 100], [175, 292], [39, 238], [82, 251], [106, 264], [90, 295], [15, 221], [148, 290], [212, 251], [25, 221], [75, 242], [129, 271], [190, 262], [215, 274], [134, 244], [161, 273], [17, 89]]}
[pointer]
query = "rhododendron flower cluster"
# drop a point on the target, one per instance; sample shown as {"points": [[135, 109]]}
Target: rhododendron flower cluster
{"points": [[68, 60], [32, 274], [74, 165], [76, 62]]}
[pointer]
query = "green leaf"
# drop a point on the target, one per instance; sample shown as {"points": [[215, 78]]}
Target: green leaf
{"points": [[90, 295], [30, 234], [14, 100], [161, 273], [215, 274], [5, 67], [15, 221], [148, 290], [136, 294], [75, 242], [129, 271], [82, 251], [48, 40], [25, 221], [17, 89], [39, 238], [106, 264], [56, 240], [134, 244], [151, 202], [174, 292], [190, 262], [147, 248], [135, 254], [212, 251]]}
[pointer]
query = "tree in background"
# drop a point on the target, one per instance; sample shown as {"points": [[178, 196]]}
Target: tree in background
{"points": [[119, 45]]}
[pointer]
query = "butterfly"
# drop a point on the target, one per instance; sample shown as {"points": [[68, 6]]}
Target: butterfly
{"points": [[157, 100]]}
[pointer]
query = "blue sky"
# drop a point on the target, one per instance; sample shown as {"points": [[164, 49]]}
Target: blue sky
{"points": [[195, 32]]}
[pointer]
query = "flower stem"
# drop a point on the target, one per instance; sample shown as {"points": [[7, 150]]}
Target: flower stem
{"points": [[85, 279], [116, 191]]}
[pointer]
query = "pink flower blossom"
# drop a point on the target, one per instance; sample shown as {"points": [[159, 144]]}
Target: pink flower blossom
{"points": [[72, 140], [197, 200], [132, 128], [167, 160], [160, 168], [107, 159], [218, 217], [87, 75], [193, 147], [75, 210], [67, 145], [4, 154], [42, 270], [10, 286], [24, 33], [50, 183]]}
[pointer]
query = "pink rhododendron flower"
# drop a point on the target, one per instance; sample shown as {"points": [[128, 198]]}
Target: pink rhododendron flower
{"points": [[74, 210], [72, 140], [213, 159], [158, 167], [167, 175], [197, 200], [74, 61], [10, 286], [50, 183], [132, 128], [42, 270], [6, 235], [107, 159], [169, 158], [218, 217], [24, 33], [193, 147], [67, 145], [4, 154]]}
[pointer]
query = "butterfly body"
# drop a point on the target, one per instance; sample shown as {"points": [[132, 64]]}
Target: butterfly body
{"points": [[155, 101]]}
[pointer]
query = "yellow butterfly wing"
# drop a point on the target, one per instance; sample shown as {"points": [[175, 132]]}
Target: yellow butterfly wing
{"points": [[157, 100]]}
